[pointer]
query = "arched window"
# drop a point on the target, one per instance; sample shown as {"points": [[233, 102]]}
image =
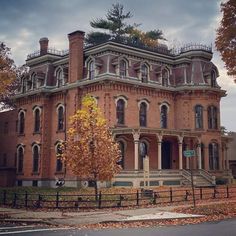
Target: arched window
{"points": [[123, 68], [59, 77], [144, 73], [21, 122], [34, 81], [120, 112], [213, 78], [143, 152], [20, 159], [59, 164], [60, 118], [143, 114], [212, 117], [37, 120], [165, 77], [122, 150], [198, 117], [91, 70], [24, 85], [213, 156], [163, 118], [36, 158]]}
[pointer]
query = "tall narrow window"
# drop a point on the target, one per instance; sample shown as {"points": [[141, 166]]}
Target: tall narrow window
{"points": [[198, 117], [21, 123], [60, 122], [37, 120], [24, 88], [120, 112], [59, 164], [212, 117], [165, 78], [213, 156], [122, 150], [143, 151], [123, 68], [59, 77], [34, 81], [144, 73], [91, 70], [213, 78], [20, 159], [163, 117], [143, 114], [35, 158]]}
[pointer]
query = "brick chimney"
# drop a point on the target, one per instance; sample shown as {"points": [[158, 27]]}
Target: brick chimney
{"points": [[43, 46], [76, 55]]}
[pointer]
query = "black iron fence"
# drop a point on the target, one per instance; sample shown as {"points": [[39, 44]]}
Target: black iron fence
{"points": [[104, 200]]}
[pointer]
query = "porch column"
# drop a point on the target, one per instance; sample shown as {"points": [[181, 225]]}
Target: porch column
{"points": [[180, 139], [159, 142], [206, 158], [226, 158], [199, 153], [220, 156], [136, 149]]}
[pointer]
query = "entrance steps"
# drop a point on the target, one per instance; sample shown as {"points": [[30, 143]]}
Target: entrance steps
{"points": [[201, 178]]}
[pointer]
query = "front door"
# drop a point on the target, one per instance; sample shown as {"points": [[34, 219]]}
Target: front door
{"points": [[166, 155]]}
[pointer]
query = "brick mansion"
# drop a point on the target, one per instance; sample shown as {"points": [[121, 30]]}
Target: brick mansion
{"points": [[157, 103]]}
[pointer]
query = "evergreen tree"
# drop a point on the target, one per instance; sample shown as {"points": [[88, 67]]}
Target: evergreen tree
{"points": [[117, 28]]}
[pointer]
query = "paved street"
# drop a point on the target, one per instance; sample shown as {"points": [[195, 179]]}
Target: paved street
{"points": [[226, 228]]}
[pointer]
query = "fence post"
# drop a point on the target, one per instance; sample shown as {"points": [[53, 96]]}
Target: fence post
{"points": [[14, 200], [227, 191], [171, 195], [214, 194], [100, 199], [26, 199], [4, 197], [201, 193], [137, 198], [39, 201], [57, 200]]}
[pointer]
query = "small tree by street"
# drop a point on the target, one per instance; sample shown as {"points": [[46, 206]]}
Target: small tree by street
{"points": [[226, 36], [90, 151]]}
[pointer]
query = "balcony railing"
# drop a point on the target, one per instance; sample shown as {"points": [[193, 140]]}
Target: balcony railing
{"points": [[51, 51]]}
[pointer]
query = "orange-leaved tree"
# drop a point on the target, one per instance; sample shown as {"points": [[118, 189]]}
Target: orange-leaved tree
{"points": [[226, 36], [90, 150], [7, 70]]}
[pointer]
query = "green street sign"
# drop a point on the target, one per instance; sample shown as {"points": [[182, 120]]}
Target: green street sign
{"points": [[189, 153]]}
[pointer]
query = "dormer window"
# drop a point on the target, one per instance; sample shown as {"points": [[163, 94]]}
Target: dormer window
{"points": [[34, 81], [91, 70], [24, 84], [123, 68], [59, 77], [165, 77], [144, 73], [213, 78]]}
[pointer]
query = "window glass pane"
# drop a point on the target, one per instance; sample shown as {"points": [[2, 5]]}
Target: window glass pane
{"points": [[143, 114], [120, 111], [163, 116]]}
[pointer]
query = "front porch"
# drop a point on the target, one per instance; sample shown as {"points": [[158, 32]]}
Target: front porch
{"points": [[167, 165]]}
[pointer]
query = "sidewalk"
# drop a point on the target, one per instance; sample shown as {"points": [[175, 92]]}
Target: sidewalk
{"points": [[84, 218]]}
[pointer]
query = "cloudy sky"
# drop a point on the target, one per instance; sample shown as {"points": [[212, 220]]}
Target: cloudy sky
{"points": [[24, 22]]}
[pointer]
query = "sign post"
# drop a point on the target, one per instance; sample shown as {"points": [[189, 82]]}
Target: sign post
{"points": [[189, 154]]}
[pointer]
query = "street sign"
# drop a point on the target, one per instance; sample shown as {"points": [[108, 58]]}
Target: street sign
{"points": [[189, 153]]}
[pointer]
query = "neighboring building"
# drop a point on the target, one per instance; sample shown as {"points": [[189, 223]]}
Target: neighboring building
{"points": [[8, 137], [157, 103], [232, 153]]}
